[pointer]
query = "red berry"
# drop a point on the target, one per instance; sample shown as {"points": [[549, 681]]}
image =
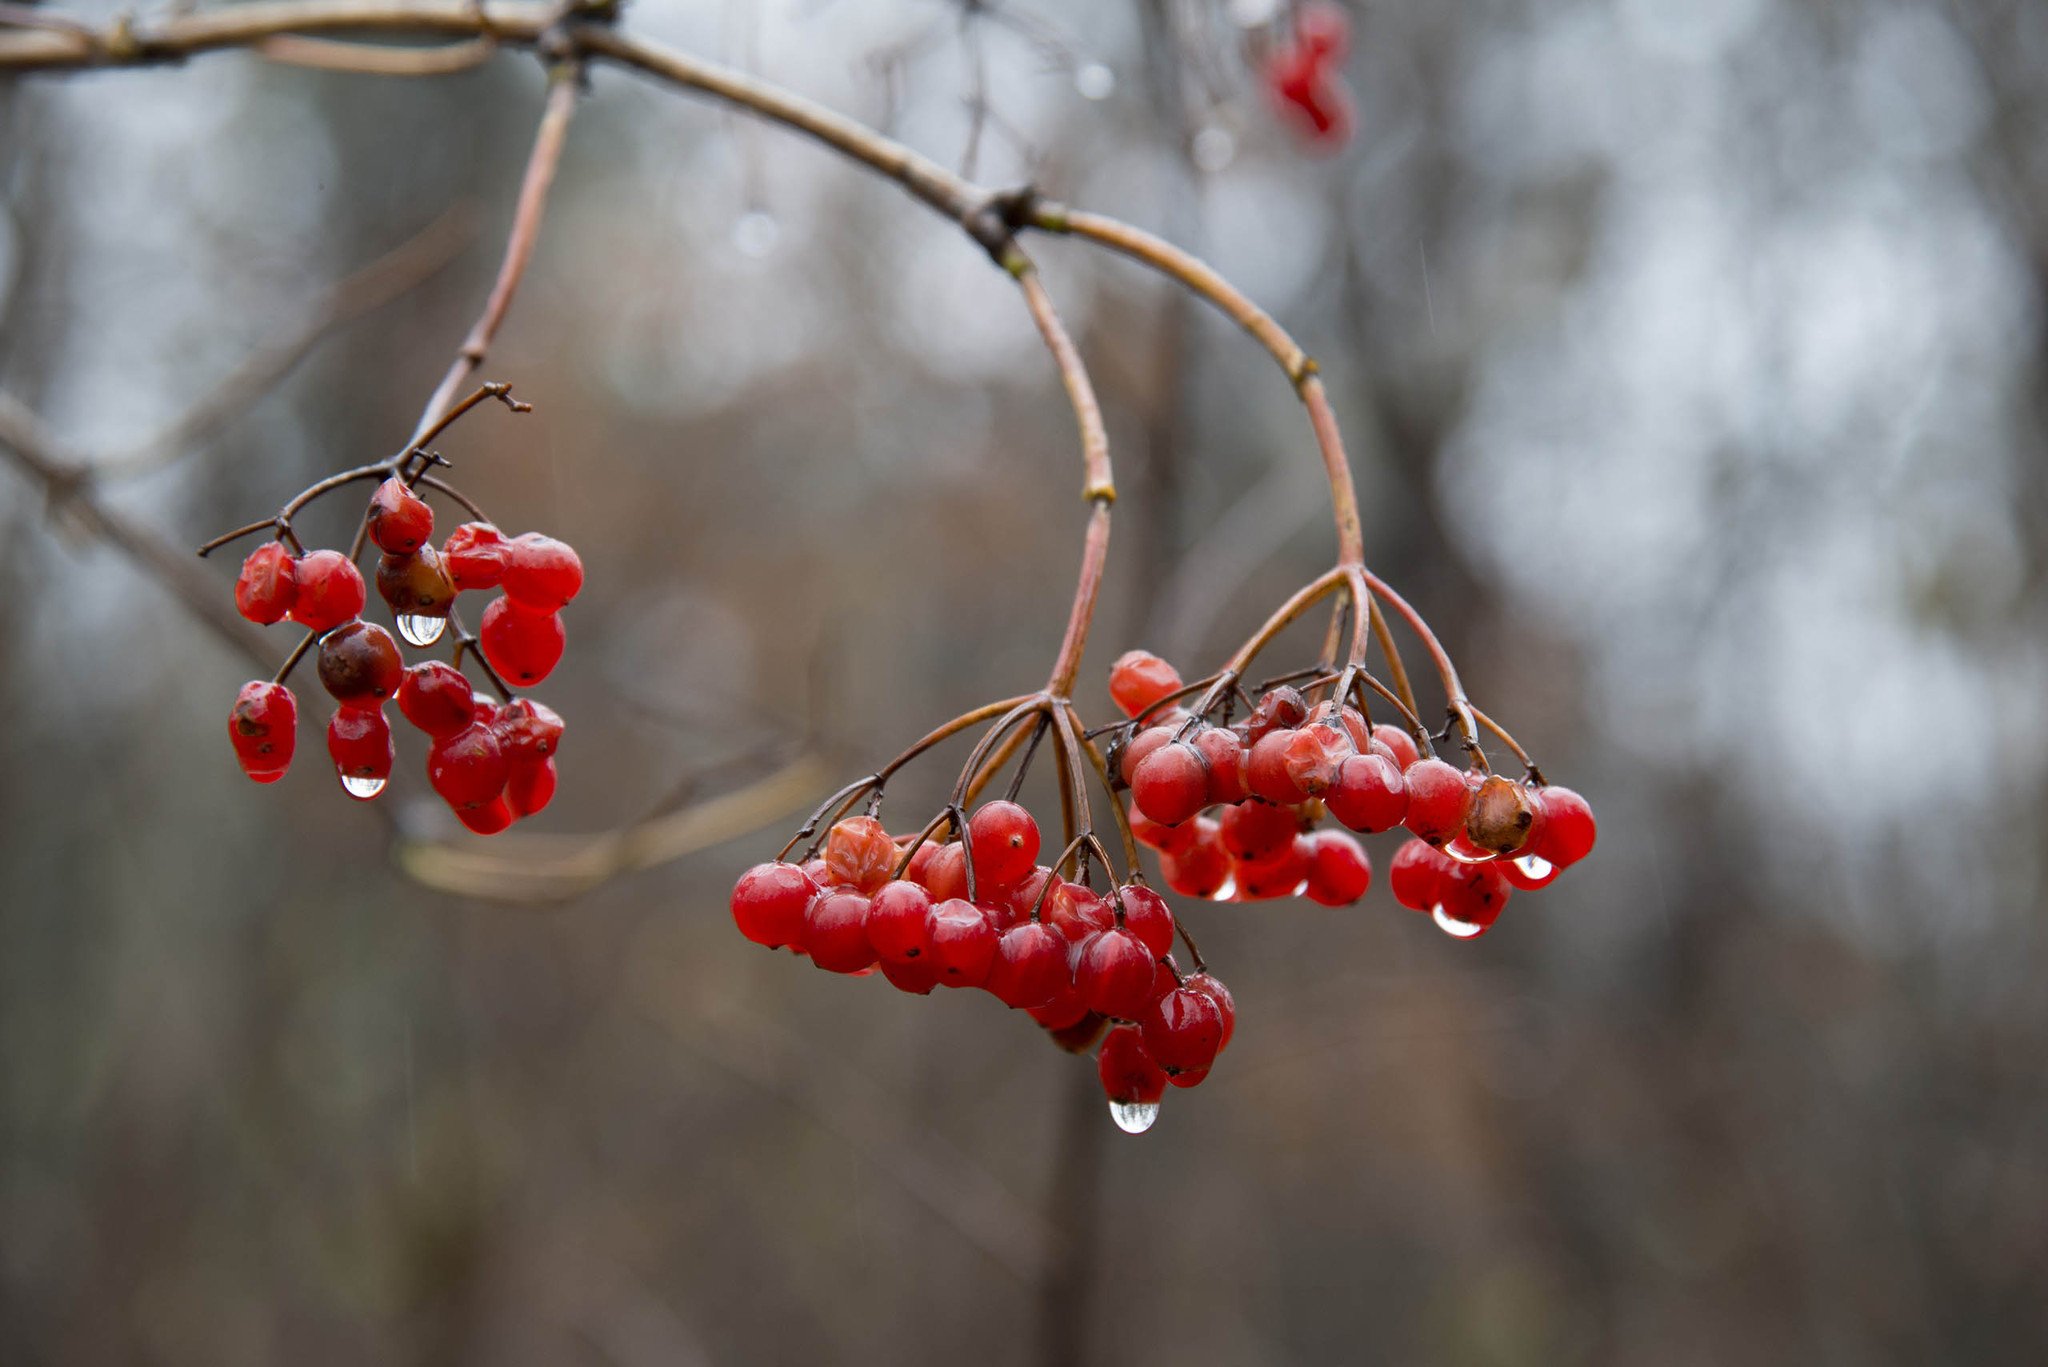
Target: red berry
{"points": [[1568, 830], [1138, 748], [1114, 974], [919, 869], [1256, 831], [400, 520], [360, 664], [1204, 867], [1265, 769], [522, 645], [468, 768], [1416, 873], [1501, 816], [1224, 752], [1279, 709], [530, 786], [836, 932], [330, 591], [263, 728], [1278, 875], [541, 573], [1399, 744], [1147, 916], [1226, 1005], [768, 903], [1076, 912], [917, 976], [1183, 1030], [436, 698], [528, 730], [1030, 966], [946, 874], [899, 922], [359, 743], [1165, 839], [1438, 800], [486, 818], [1338, 871], [1312, 756], [1171, 784], [963, 942], [1139, 679], [1130, 1079], [1004, 841], [476, 554], [1064, 1012], [267, 585], [859, 853], [1470, 898], [1369, 794]]}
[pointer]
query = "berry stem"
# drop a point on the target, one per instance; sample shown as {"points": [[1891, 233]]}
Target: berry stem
{"points": [[1116, 806], [1454, 688], [291, 661]]}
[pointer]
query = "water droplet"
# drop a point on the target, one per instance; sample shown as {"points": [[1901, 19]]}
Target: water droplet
{"points": [[755, 233], [1095, 81], [1214, 148], [1536, 868], [1134, 1117], [360, 788], [419, 629], [1450, 925], [1465, 852]]}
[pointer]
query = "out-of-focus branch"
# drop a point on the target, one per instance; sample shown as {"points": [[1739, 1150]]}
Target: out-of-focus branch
{"points": [[377, 59], [388, 278]]}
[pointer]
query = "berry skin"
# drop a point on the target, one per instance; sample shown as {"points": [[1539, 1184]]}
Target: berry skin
{"points": [[915, 976], [1501, 816], [1226, 1005], [529, 731], [1203, 868], [468, 768], [1114, 974], [946, 874], [1064, 1012], [859, 853], [1171, 784], [1129, 1075], [1075, 912], [359, 743], [1399, 744], [768, 903], [1266, 772], [836, 933], [963, 942], [1135, 751], [1004, 840], [1567, 830], [1030, 967], [1416, 873], [436, 698], [899, 922], [1279, 709], [1139, 679], [1279, 875], [1473, 895], [1369, 794], [1338, 870], [263, 728], [522, 645], [530, 786], [1147, 916], [541, 573], [1223, 750], [1313, 756], [417, 584], [267, 584], [476, 555], [1255, 831], [360, 664], [486, 818], [400, 520], [1438, 800], [330, 591], [1183, 1030]]}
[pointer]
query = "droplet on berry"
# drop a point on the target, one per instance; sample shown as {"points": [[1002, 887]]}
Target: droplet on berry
{"points": [[359, 743], [1131, 1079]]}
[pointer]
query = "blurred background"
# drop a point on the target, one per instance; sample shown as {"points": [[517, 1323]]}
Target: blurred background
{"points": [[1693, 361]]}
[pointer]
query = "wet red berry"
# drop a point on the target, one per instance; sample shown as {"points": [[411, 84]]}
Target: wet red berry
{"points": [[1399, 744], [359, 743], [267, 584], [836, 932], [400, 520], [1139, 748], [1471, 897], [1203, 868], [522, 645], [1130, 1077], [1165, 839], [1226, 1005], [541, 573], [1266, 771], [768, 903], [330, 591], [1279, 874], [1139, 679], [1338, 870], [468, 768], [1438, 800], [1147, 916], [916, 976], [528, 730], [360, 664], [1171, 784], [436, 698], [1113, 974], [486, 818], [263, 728], [1567, 831], [1183, 1030], [899, 922], [1030, 966], [476, 555], [1257, 830], [1369, 795], [1415, 874], [1279, 709], [859, 853], [530, 786], [963, 942], [1004, 840], [1223, 751]]}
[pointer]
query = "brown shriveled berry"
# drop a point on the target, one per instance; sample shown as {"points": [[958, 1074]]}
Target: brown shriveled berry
{"points": [[1501, 815]]}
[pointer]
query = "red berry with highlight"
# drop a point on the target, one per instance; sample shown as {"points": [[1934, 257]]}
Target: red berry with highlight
{"points": [[1416, 873], [1338, 870], [476, 555], [1369, 795], [267, 584], [1114, 974], [1567, 830], [1171, 784], [768, 903], [1129, 1075], [1266, 771], [1030, 966], [836, 933], [468, 768], [1139, 679], [1004, 840], [1183, 1030], [530, 786], [486, 818], [400, 520], [963, 943], [899, 922], [329, 591], [359, 743], [1203, 868], [263, 728], [541, 573], [1438, 800], [1223, 750], [522, 645], [436, 698], [1147, 916]]}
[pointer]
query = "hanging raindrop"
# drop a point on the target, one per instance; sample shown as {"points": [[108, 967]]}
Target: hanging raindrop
{"points": [[1134, 1117], [418, 629], [360, 788]]}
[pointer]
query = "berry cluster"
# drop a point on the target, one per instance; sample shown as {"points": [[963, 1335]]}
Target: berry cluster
{"points": [[491, 761], [1271, 779], [1304, 77], [983, 912]]}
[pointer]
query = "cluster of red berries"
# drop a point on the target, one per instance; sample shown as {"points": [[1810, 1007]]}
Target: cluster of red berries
{"points": [[492, 763], [984, 913], [1270, 779], [1304, 76]]}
